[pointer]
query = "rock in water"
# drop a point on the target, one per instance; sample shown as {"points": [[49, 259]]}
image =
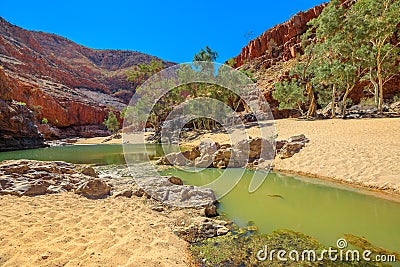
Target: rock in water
{"points": [[211, 211], [94, 188], [175, 180]]}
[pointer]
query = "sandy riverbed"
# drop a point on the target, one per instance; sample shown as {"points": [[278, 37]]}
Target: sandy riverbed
{"points": [[68, 229]]}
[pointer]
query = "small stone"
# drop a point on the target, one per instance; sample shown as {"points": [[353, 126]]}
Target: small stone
{"points": [[211, 211], [222, 230], [89, 171], [175, 180], [139, 192], [158, 208], [124, 193], [298, 138]]}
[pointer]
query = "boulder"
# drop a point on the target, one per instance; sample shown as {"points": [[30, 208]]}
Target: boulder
{"points": [[289, 149], [94, 188], [208, 147], [26, 188], [204, 161], [192, 154], [175, 180], [176, 195], [30, 178], [211, 211], [89, 171]]}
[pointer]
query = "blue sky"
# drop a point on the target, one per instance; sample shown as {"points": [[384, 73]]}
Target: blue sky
{"points": [[171, 30]]}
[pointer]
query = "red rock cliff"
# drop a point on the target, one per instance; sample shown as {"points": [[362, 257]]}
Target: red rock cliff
{"points": [[281, 42], [17, 129], [70, 85]]}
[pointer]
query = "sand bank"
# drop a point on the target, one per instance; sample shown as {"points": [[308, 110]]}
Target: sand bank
{"points": [[67, 229]]}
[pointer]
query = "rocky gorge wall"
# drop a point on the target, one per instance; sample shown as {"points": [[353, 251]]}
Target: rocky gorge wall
{"points": [[72, 86], [17, 128], [271, 55], [280, 43]]}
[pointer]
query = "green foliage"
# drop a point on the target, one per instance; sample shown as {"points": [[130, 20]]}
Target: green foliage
{"points": [[125, 111], [231, 62], [249, 73], [206, 54], [343, 47], [142, 72], [37, 110], [112, 122], [373, 23], [162, 107], [290, 95], [367, 102], [45, 121]]}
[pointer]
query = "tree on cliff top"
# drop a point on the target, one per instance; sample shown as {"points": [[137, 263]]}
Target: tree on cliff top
{"points": [[206, 54]]}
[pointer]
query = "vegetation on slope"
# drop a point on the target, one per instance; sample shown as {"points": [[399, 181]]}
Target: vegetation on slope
{"points": [[344, 46]]}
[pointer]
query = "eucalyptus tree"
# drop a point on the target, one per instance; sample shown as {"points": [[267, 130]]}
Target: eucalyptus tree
{"points": [[374, 24]]}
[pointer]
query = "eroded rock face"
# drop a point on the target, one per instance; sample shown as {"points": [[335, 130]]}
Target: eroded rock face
{"points": [[17, 129], [281, 42], [69, 84]]}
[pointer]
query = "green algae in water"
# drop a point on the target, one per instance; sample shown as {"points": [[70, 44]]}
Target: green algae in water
{"points": [[242, 249]]}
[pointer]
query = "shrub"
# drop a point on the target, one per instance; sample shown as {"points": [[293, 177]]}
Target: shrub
{"points": [[112, 122]]}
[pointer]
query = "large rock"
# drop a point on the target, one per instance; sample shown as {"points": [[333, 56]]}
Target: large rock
{"points": [[178, 195], [94, 188], [256, 153]]}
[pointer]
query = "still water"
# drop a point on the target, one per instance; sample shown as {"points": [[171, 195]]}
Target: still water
{"points": [[318, 208]]}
